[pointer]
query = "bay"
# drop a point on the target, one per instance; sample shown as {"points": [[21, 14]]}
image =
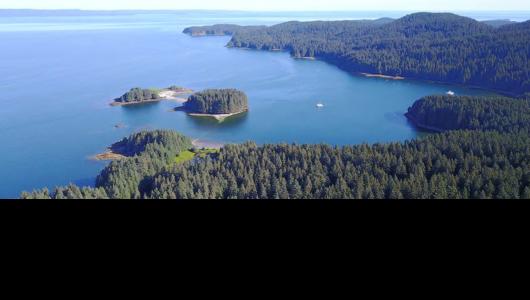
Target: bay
{"points": [[59, 74]]}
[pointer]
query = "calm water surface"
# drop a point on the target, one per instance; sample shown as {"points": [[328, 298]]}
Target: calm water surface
{"points": [[59, 74]]}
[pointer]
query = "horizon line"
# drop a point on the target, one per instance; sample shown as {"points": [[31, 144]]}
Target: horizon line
{"points": [[263, 10]]}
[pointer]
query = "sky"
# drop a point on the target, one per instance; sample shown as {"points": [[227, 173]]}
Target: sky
{"points": [[275, 5]]}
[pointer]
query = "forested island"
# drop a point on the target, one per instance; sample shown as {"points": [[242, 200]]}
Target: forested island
{"points": [[474, 159], [216, 103], [139, 95], [438, 47]]}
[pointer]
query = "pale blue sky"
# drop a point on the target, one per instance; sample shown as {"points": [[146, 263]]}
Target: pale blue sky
{"points": [[301, 5]]}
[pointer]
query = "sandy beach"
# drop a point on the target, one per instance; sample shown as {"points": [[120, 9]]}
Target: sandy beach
{"points": [[306, 58], [218, 117], [200, 144], [174, 95], [383, 76]]}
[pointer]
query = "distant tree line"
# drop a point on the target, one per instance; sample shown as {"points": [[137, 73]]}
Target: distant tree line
{"points": [[69, 192], [223, 101], [439, 47], [216, 30], [176, 88]]}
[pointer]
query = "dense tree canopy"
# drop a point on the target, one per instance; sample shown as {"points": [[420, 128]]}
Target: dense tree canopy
{"points": [[138, 95], [499, 23], [149, 152], [224, 101], [474, 113], [458, 164], [69, 192], [427, 46]]}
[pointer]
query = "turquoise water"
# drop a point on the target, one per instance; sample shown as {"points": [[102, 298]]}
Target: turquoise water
{"points": [[59, 74]]}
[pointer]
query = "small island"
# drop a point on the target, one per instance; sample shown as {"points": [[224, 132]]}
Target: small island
{"points": [[140, 96], [216, 103]]}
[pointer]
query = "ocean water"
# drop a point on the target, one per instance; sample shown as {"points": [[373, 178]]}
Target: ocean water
{"points": [[59, 73]]}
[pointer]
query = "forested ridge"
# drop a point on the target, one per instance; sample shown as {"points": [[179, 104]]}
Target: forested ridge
{"points": [[428, 46], [217, 101], [490, 161]]}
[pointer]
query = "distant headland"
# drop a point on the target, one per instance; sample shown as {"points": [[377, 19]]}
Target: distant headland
{"points": [[217, 30]]}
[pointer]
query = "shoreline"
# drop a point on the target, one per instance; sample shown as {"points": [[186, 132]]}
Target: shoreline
{"points": [[306, 58], [108, 155], [370, 75], [417, 124], [218, 117], [447, 83], [207, 144], [178, 100], [314, 58]]}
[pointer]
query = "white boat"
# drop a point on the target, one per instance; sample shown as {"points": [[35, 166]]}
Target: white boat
{"points": [[320, 105], [451, 93]]}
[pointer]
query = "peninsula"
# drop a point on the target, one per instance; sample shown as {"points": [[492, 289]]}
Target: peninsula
{"points": [[140, 96], [440, 113], [436, 47], [216, 103]]}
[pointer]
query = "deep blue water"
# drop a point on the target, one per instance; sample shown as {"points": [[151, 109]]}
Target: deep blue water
{"points": [[59, 74]]}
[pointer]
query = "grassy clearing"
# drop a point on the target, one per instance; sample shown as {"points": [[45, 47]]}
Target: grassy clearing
{"points": [[202, 153], [188, 155], [184, 157]]}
